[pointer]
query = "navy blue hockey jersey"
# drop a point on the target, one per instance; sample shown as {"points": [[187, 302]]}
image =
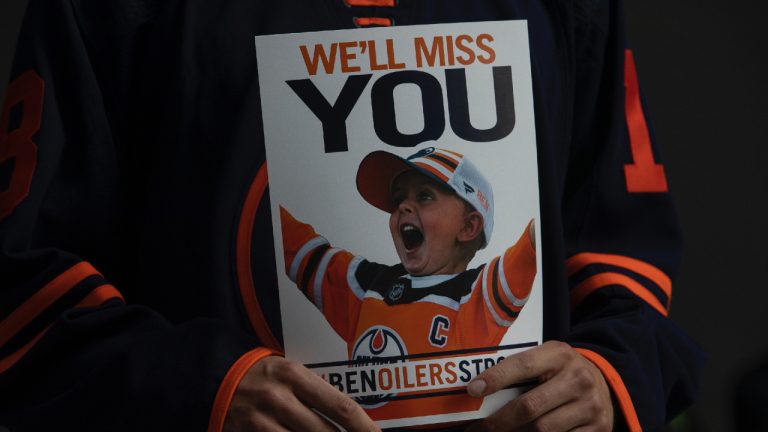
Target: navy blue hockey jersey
{"points": [[137, 269]]}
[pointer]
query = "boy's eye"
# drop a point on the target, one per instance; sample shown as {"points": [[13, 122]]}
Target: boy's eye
{"points": [[425, 196], [397, 199]]}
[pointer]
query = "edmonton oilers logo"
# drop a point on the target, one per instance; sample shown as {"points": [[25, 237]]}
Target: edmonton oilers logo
{"points": [[373, 344]]}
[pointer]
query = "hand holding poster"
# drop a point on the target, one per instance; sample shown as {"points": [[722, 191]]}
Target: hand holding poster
{"points": [[404, 191]]}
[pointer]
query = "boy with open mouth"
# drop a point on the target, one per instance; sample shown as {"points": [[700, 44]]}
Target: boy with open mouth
{"points": [[441, 214]]}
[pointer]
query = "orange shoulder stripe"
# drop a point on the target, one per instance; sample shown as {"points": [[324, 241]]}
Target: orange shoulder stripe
{"points": [[617, 385], [96, 297], [579, 261], [244, 271], [372, 21], [229, 385], [380, 3], [591, 284], [43, 298]]}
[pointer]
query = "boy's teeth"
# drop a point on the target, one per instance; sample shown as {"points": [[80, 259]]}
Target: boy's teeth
{"points": [[412, 236]]}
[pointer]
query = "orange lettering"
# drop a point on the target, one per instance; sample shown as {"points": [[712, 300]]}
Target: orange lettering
{"points": [[382, 384], [481, 44], [461, 45], [391, 56], [421, 374], [319, 55], [406, 383], [372, 56], [346, 56], [450, 370], [423, 52], [449, 45], [435, 372]]}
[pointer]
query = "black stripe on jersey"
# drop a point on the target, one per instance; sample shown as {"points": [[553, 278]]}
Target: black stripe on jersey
{"points": [[594, 269], [495, 288], [52, 313], [384, 280], [309, 270], [448, 162], [423, 355]]}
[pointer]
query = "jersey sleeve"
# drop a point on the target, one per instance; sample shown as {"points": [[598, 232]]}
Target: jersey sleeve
{"points": [[499, 293], [75, 352], [326, 276], [622, 234]]}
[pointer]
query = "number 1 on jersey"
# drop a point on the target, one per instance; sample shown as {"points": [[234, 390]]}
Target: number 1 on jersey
{"points": [[644, 174]]}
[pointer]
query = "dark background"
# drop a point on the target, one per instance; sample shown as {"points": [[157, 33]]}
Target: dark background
{"points": [[703, 66]]}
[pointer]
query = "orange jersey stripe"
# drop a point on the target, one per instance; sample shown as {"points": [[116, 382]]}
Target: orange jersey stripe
{"points": [[43, 299], [99, 296], [617, 385], [96, 297], [243, 259], [381, 3], [372, 21], [591, 284], [579, 261], [229, 385]]}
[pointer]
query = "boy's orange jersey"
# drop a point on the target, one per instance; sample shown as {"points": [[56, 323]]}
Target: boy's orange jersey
{"points": [[381, 310]]}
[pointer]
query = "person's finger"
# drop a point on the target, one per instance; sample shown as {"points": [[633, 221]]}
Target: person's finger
{"points": [[537, 363], [315, 393], [531, 405]]}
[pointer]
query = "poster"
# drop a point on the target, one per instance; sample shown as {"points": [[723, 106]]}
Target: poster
{"points": [[404, 190]]}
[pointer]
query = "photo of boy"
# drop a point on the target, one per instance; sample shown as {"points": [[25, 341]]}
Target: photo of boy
{"points": [[441, 213]]}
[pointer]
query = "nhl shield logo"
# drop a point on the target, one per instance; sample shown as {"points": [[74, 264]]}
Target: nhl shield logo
{"points": [[397, 291]]}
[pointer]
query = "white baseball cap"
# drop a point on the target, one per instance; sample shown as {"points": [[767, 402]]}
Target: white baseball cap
{"points": [[378, 170]]}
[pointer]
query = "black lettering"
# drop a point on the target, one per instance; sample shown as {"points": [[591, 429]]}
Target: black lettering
{"points": [[351, 382], [333, 117], [368, 380], [458, 105], [383, 104], [477, 363], [440, 325], [466, 375], [335, 380]]}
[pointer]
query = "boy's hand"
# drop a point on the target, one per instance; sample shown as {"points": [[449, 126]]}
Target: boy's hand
{"points": [[278, 394], [571, 395]]}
